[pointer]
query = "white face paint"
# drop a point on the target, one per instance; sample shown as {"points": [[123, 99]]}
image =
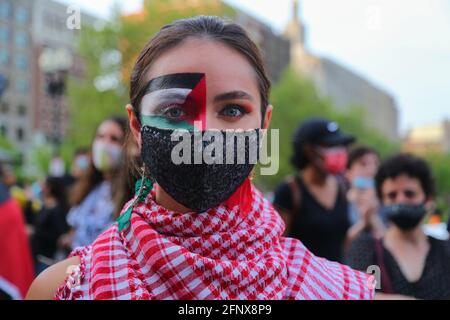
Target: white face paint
{"points": [[155, 102], [106, 156]]}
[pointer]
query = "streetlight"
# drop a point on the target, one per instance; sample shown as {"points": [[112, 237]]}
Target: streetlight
{"points": [[55, 63]]}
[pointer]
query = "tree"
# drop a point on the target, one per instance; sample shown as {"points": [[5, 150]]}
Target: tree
{"points": [[100, 91], [441, 172]]}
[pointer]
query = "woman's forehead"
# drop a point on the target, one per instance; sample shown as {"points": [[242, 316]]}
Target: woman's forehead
{"points": [[109, 127], [402, 181], [224, 68]]}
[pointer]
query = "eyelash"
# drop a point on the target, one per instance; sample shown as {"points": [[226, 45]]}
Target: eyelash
{"points": [[243, 110], [167, 108]]}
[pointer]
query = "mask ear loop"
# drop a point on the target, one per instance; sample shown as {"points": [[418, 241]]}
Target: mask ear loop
{"points": [[142, 188]]}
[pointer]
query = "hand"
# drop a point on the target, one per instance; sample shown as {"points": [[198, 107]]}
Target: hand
{"points": [[367, 205]]}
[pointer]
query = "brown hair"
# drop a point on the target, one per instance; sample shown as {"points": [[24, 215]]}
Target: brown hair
{"points": [[209, 27], [93, 177], [171, 35]]}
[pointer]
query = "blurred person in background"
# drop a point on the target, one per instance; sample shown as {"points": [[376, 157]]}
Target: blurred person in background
{"points": [[362, 166], [80, 163], [16, 191], [28, 197], [57, 169], [92, 196], [448, 223], [412, 264], [50, 223], [16, 267], [313, 203], [128, 176]]}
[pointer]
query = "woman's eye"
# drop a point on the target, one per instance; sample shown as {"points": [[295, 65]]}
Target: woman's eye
{"points": [[233, 111], [174, 112]]}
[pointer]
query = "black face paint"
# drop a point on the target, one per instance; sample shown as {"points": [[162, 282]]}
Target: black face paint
{"points": [[405, 216], [171, 106]]}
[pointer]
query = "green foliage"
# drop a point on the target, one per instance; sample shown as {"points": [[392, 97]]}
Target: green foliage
{"points": [[6, 145], [99, 92], [440, 164]]}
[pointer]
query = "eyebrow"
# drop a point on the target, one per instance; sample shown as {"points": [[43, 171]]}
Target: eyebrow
{"points": [[233, 95]]}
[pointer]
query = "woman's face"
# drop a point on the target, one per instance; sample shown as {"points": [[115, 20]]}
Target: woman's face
{"points": [[110, 132], [402, 190], [232, 96], [366, 166]]}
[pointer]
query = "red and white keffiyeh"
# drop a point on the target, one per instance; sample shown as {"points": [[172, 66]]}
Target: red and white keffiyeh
{"points": [[220, 254]]}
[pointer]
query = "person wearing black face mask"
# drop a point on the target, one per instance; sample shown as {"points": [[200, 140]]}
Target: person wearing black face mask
{"points": [[412, 264]]}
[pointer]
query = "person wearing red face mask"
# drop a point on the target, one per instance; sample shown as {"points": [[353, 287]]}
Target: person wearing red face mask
{"points": [[313, 203]]}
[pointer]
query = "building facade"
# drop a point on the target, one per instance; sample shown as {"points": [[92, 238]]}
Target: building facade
{"points": [[28, 28], [274, 47], [16, 104], [434, 138]]}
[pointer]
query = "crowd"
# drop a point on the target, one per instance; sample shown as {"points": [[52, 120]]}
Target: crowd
{"points": [[344, 207], [347, 205], [43, 222]]}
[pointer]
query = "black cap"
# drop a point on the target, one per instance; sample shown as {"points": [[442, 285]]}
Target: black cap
{"points": [[319, 131]]}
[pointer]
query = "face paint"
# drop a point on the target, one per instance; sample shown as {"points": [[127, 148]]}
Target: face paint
{"points": [[175, 101], [175, 105]]}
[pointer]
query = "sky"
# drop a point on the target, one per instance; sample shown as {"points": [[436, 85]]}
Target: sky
{"points": [[401, 46]]}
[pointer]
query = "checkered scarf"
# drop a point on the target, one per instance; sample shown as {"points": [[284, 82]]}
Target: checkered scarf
{"points": [[220, 254]]}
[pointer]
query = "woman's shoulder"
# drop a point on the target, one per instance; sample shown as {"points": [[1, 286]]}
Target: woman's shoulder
{"points": [[63, 279], [47, 283], [312, 277], [442, 245]]}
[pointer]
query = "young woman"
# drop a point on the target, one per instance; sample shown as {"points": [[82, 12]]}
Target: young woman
{"points": [[50, 223], [363, 163], [92, 197], [198, 231], [412, 264]]}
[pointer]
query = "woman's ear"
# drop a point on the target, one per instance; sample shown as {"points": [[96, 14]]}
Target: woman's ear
{"points": [[135, 124], [267, 116]]}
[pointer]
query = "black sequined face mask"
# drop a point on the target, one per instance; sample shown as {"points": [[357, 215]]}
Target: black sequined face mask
{"points": [[405, 216], [198, 168]]}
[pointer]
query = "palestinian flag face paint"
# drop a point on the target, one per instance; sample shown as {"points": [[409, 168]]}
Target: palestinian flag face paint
{"points": [[176, 103]]}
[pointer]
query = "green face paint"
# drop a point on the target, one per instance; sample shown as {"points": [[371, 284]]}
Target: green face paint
{"points": [[175, 101]]}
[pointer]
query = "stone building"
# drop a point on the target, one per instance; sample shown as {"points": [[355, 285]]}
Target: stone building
{"points": [[343, 86]]}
